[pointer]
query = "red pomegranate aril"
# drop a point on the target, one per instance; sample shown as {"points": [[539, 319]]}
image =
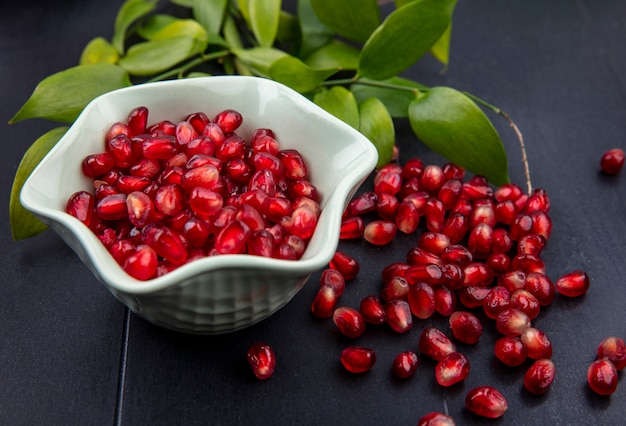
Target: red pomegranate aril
{"points": [[531, 244], [499, 263], [356, 359], [405, 364], [120, 149], [185, 132], [445, 301], [480, 241], [506, 212], [303, 223], [137, 121], [349, 321], [528, 263], [389, 183], [421, 299], [345, 264], [512, 322], [169, 245], [407, 218], [538, 201], [261, 243], [203, 145], [294, 164], [435, 344], [251, 217], [380, 232], [436, 418], [433, 242], [145, 167], [482, 213], [498, 299], [428, 274], [513, 280], [432, 178], [537, 343], [112, 207], [98, 164], [232, 147], [435, 215], [262, 360], [602, 377], [540, 286], [238, 170], [196, 231], [127, 184], [539, 376], [205, 176], [263, 141], [159, 147], [463, 207], [257, 199], [324, 303], [351, 227], [228, 120], [419, 200], [457, 254], [233, 238], [510, 351], [450, 193], [140, 208], [541, 224], [373, 310], [526, 302], [302, 188], [204, 202], [198, 120], [614, 349], [486, 401], [393, 270], [398, 315], [452, 276], [473, 296], [170, 199], [81, 205], [121, 249], [456, 227], [334, 279], [395, 288], [612, 161], [142, 263], [508, 192], [573, 284], [466, 327], [521, 226], [115, 130], [417, 256], [452, 369], [387, 206], [409, 187], [414, 167], [478, 274], [363, 203]]}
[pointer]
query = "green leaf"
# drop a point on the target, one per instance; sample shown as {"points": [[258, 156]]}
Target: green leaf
{"points": [[264, 17], [396, 100], [288, 28], [292, 72], [23, 223], [99, 51], [314, 33], [152, 57], [340, 102], [335, 54], [197, 74], [130, 11], [62, 96], [259, 58], [400, 3], [377, 125], [148, 27], [210, 14], [451, 124], [404, 37], [352, 19], [181, 28], [441, 49], [244, 10]]}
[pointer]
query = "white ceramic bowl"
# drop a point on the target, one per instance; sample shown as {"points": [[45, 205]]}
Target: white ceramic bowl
{"points": [[216, 294]]}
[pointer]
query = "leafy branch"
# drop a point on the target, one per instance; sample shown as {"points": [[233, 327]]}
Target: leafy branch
{"points": [[341, 54]]}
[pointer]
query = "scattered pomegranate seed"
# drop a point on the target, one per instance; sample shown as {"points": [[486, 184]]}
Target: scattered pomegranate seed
{"points": [[510, 350], [345, 264], [486, 401], [435, 419], [349, 321], [602, 377], [398, 315], [613, 349], [324, 303], [539, 376], [573, 284], [537, 344], [612, 161], [453, 368], [373, 310], [466, 327], [435, 344], [358, 359], [262, 360], [380, 232], [405, 364]]}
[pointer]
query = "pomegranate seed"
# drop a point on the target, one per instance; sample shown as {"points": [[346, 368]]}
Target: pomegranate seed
{"points": [[405, 364], [478, 274], [612, 161], [498, 299], [333, 279], [357, 359], [456, 227], [452, 369], [508, 192], [473, 296], [262, 360], [170, 199], [302, 188], [499, 263], [121, 249], [512, 322], [200, 146], [137, 121], [228, 120], [395, 288], [142, 263], [409, 187], [538, 201], [435, 344], [613, 349], [205, 176], [450, 193], [458, 255], [97, 164], [233, 238], [539, 376], [140, 208], [428, 274], [407, 218], [435, 419], [573, 284], [540, 286], [528, 263], [324, 303], [452, 276], [349, 321], [261, 243], [373, 311], [198, 120], [81, 205], [432, 178], [435, 215], [416, 256], [264, 142], [537, 343], [197, 231], [394, 270], [204, 202], [380, 232], [419, 200], [115, 130], [510, 350], [480, 241], [602, 377], [466, 327], [345, 264], [421, 299], [513, 280], [295, 167], [414, 167], [398, 314], [387, 206], [506, 212], [526, 302], [445, 301], [389, 183], [486, 401], [433, 242], [112, 207]]}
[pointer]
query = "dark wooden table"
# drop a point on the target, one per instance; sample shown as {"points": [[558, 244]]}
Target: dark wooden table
{"points": [[71, 354]]}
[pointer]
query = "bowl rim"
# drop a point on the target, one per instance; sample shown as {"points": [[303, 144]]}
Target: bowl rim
{"points": [[121, 281]]}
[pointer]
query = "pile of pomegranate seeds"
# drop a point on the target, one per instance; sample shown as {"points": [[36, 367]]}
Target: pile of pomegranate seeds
{"points": [[170, 193], [477, 258]]}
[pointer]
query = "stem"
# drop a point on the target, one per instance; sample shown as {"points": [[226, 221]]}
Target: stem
{"points": [[518, 133], [371, 83], [189, 65]]}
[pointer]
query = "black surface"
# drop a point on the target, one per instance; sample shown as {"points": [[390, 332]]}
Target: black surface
{"points": [[70, 354]]}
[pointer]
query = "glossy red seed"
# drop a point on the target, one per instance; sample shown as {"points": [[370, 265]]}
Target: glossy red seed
{"points": [[228, 120], [435, 344], [486, 401], [451, 276], [435, 215], [435, 419], [456, 227], [204, 202], [480, 241], [405, 364], [513, 280], [416, 256], [473, 296], [531, 244], [112, 207], [614, 349], [324, 303], [510, 350], [407, 218], [142, 263], [528, 263], [539, 376], [389, 182], [602, 377], [452, 369], [433, 242], [97, 164], [140, 208], [445, 301], [358, 359], [387, 206], [334, 279], [540, 286], [466, 327], [573, 284], [262, 360], [537, 343], [81, 205], [372, 309], [396, 287], [196, 231], [512, 322], [457, 254], [349, 321], [538, 201], [414, 167], [508, 191], [526, 302], [345, 264], [478, 274], [398, 314], [432, 178], [429, 274], [393, 270], [421, 299], [380, 232], [450, 193], [498, 299], [233, 238], [612, 161]]}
